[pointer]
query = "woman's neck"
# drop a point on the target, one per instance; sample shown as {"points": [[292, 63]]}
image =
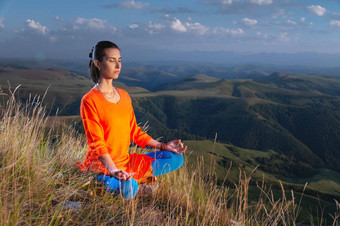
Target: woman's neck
{"points": [[105, 84]]}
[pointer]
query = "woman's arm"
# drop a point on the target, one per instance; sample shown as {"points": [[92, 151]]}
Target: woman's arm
{"points": [[107, 161], [175, 146], [95, 138]]}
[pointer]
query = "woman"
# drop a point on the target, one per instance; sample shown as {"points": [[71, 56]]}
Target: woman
{"points": [[110, 125]]}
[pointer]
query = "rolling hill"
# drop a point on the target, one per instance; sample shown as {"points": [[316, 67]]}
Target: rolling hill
{"points": [[64, 89], [288, 124], [292, 114]]}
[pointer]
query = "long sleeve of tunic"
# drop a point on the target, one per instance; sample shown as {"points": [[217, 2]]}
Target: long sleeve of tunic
{"points": [[109, 129]]}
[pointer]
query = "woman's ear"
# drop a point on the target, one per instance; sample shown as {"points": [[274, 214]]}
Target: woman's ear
{"points": [[97, 64]]}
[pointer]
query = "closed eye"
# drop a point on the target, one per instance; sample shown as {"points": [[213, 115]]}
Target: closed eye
{"points": [[112, 59]]}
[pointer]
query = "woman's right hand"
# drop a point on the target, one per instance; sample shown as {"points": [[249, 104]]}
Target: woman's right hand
{"points": [[120, 174]]}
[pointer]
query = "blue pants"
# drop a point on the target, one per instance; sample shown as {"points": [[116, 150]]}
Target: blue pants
{"points": [[165, 162]]}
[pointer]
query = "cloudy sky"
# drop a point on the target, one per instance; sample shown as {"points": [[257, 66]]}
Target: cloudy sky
{"points": [[69, 28]]}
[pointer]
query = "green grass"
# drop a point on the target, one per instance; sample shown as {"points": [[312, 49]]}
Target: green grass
{"points": [[325, 184], [246, 160], [38, 180]]}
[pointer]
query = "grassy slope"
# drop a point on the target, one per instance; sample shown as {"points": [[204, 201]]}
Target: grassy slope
{"points": [[193, 88], [326, 182], [245, 159], [40, 185]]}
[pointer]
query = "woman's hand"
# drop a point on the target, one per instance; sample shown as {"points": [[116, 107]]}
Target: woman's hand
{"points": [[175, 146], [120, 174]]}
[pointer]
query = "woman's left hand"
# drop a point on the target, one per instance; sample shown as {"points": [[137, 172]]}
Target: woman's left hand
{"points": [[175, 146]]}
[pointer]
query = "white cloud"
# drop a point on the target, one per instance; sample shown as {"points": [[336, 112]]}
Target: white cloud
{"points": [[291, 22], [2, 22], [248, 22], [154, 28], [59, 19], [261, 2], [112, 29], [133, 5], [133, 26], [335, 15], [335, 23], [187, 26], [280, 12], [177, 25], [284, 37], [233, 32], [36, 26], [302, 19], [151, 25], [92, 23], [199, 28], [52, 38], [260, 35], [316, 9], [226, 2]]}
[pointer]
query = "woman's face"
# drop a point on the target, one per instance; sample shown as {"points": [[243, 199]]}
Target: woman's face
{"points": [[111, 64]]}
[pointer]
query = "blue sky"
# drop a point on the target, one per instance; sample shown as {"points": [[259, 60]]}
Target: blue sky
{"points": [[69, 28]]}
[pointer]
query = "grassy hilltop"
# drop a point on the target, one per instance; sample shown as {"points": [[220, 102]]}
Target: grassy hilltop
{"points": [[284, 125], [39, 184]]}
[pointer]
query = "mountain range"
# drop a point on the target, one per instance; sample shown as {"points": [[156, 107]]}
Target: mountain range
{"points": [[295, 115]]}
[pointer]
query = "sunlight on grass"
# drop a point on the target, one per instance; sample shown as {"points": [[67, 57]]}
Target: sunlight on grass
{"points": [[40, 185]]}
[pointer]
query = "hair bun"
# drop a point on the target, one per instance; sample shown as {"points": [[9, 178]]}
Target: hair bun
{"points": [[91, 53]]}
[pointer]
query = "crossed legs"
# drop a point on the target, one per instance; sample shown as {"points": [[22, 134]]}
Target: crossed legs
{"points": [[165, 162]]}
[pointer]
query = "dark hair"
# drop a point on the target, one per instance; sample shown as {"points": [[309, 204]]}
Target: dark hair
{"points": [[97, 53]]}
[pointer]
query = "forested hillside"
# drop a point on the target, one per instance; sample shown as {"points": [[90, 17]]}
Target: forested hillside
{"points": [[292, 114]]}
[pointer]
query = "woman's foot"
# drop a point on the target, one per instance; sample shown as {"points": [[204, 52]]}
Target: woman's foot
{"points": [[147, 187]]}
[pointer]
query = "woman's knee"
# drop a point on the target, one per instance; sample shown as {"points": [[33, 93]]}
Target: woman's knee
{"points": [[128, 188], [175, 160], [179, 160]]}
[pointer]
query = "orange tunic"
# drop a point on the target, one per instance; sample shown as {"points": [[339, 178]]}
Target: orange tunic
{"points": [[109, 129]]}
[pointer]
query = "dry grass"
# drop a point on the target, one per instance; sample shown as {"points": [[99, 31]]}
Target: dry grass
{"points": [[40, 185]]}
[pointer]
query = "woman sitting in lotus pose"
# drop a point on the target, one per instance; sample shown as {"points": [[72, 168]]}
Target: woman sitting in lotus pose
{"points": [[110, 125]]}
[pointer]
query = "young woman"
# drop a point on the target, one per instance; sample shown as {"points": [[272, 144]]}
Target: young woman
{"points": [[110, 125]]}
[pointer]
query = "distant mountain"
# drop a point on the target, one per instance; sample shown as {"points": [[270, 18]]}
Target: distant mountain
{"points": [[326, 84], [307, 59], [202, 85], [152, 75]]}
